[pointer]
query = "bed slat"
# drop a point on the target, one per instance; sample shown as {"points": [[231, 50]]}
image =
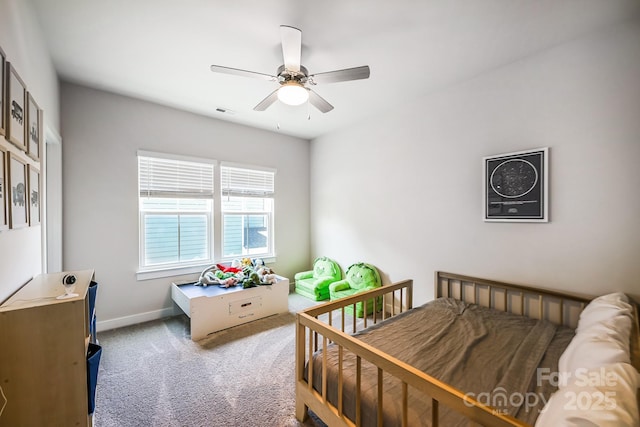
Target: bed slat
{"points": [[324, 370], [311, 365], [340, 379], [405, 404], [380, 400], [358, 391], [435, 417]]}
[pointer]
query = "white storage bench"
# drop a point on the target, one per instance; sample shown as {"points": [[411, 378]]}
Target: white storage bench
{"points": [[213, 308]]}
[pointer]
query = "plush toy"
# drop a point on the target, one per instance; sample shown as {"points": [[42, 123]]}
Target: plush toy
{"points": [[229, 282], [208, 278], [241, 272], [266, 275], [226, 269], [251, 280], [221, 275]]}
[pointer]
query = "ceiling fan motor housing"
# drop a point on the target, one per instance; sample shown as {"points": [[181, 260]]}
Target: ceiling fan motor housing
{"points": [[285, 75]]}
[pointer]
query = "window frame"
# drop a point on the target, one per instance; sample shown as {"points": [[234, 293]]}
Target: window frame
{"points": [[149, 271], [180, 264], [268, 192], [270, 240]]}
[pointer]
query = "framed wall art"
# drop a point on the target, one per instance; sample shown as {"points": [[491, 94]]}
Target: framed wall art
{"points": [[18, 207], [3, 70], [4, 206], [34, 196], [34, 119], [516, 186], [16, 121]]}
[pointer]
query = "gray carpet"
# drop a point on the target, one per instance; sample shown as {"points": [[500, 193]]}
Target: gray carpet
{"points": [[152, 374]]}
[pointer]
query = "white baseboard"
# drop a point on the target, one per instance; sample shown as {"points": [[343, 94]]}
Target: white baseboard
{"points": [[105, 325]]}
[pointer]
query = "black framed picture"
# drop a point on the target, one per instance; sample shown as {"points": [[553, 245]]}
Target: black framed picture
{"points": [[18, 212], [34, 119], [16, 99], [4, 206], [516, 186], [34, 196], [3, 91]]}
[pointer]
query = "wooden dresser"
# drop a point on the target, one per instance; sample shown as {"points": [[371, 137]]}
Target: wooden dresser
{"points": [[43, 348]]}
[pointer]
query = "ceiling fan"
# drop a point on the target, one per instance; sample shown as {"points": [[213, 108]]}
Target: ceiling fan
{"points": [[294, 78]]}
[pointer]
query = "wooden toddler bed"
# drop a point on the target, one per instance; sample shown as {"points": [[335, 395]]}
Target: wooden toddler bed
{"points": [[498, 343]]}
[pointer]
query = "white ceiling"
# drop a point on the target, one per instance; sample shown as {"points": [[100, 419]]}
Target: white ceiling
{"points": [[160, 50]]}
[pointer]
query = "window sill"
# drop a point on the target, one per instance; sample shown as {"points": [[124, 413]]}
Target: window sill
{"points": [[142, 275], [169, 272]]}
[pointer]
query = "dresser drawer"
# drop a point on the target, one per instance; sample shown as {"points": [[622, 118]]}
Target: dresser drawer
{"points": [[245, 305]]}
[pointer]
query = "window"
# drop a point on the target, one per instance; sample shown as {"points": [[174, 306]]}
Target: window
{"points": [[177, 218], [176, 211], [247, 211]]}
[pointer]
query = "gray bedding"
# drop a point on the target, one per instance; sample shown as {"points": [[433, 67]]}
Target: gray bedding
{"points": [[486, 353]]}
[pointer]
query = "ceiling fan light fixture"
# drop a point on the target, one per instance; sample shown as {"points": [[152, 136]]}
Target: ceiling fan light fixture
{"points": [[293, 77], [293, 93]]}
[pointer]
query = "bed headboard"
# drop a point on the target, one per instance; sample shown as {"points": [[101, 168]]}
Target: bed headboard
{"points": [[557, 307]]}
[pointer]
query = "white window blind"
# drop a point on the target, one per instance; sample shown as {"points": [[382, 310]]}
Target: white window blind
{"points": [[164, 177], [239, 181]]}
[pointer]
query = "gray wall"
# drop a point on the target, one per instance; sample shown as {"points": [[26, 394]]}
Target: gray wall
{"points": [[404, 190], [102, 133], [22, 42]]}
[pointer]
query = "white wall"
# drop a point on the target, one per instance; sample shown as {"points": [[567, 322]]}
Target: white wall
{"points": [[102, 133], [403, 191], [22, 42]]}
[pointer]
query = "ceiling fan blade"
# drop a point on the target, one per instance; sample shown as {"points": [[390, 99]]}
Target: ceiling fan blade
{"points": [[319, 102], [356, 73], [266, 103], [242, 73], [291, 47]]}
